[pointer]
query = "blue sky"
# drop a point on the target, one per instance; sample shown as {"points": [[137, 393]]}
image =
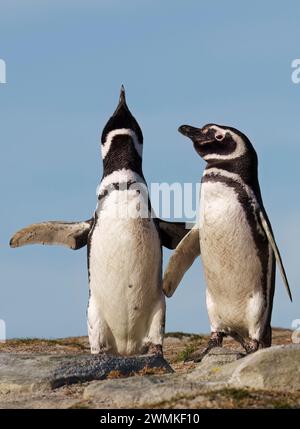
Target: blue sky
{"points": [[181, 62]]}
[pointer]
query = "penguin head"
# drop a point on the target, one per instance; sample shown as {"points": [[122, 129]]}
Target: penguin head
{"points": [[219, 143], [122, 138]]}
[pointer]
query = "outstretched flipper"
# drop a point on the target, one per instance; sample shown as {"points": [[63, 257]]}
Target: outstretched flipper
{"points": [[181, 260], [70, 234], [269, 233], [171, 233]]}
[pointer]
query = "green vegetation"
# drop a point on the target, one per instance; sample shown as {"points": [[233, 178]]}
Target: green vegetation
{"points": [[185, 353]]}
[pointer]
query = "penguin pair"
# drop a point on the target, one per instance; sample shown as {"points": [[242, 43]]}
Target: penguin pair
{"points": [[238, 248], [126, 309]]}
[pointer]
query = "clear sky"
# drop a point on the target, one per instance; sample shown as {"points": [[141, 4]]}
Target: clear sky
{"points": [[181, 62]]}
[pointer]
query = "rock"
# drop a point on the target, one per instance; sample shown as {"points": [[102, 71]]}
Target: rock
{"points": [[29, 373], [276, 368], [224, 378], [88, 368], [142, 392], [222, 356], [24, 373], [212, 363], [159, 391]]}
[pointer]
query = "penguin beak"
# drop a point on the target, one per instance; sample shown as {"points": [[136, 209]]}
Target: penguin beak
{"points": [[122, 96], [122, 102], [195, 134]]}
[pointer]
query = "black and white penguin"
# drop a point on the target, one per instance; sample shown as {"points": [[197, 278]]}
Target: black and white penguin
{"points": [[237, 244], [126, 311]]}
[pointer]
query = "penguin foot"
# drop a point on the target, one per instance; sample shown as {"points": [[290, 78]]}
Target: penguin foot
{"points": [[155, 349], [101, 351], [250, 346], [216, 340]]}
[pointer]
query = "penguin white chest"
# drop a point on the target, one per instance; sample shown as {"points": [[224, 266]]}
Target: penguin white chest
{"points": [[125, 271], [231, 263]]}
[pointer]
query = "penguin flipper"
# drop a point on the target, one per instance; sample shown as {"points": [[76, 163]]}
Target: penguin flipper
{"points": [[171, 233], [70, 234], [181, 260], [269, 233]]}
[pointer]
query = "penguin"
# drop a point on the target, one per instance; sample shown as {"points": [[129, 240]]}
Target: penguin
{"points": [[234, 234], [124, 238]]}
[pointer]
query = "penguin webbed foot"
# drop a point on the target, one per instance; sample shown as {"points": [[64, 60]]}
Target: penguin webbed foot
{"points": [[216, 340], [101, 351], [250, 345], [155, 349]]}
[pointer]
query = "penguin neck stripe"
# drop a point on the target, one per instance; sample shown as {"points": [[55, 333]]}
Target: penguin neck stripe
{"points": [[119, 176], [124, 186], [121, 131], [213, 173]]}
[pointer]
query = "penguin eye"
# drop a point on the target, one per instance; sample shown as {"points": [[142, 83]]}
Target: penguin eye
{"points": [[219, 137]]}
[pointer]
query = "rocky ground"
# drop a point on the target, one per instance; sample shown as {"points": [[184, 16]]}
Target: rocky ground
{"points": [[36, 373]]}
